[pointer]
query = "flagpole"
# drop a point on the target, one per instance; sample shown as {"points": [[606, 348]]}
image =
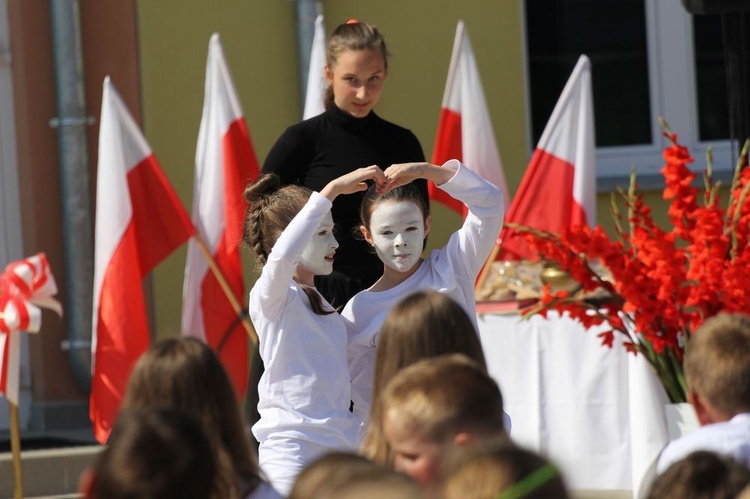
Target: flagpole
{"points": [[15, 444], [487, 265], [225, 287]]}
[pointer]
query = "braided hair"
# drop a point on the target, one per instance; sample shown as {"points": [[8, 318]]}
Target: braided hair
{"points": [[271, 207]]}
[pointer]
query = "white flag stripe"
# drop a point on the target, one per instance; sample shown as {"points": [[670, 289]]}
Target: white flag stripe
{"points": [[569, 135], [113, 207], [316, 82], [465, 95], [220, 109]]}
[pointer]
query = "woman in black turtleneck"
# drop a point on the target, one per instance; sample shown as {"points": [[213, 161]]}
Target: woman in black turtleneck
{"points": [[347, 136]]}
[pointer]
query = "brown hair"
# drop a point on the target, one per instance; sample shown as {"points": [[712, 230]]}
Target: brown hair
{"points": [[156, 453], [497, 469], [340, 475], [701, 475], [271, 207], [352, 35], [185, 374], [407, 192], [422, 325], [717, 362], [440, 397]]}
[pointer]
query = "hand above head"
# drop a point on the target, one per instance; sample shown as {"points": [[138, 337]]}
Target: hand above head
{"points": [[354, 182], [403, 173]]}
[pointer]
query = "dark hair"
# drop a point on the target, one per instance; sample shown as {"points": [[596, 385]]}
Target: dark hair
{"points": [[155, 453], [352, 35], [422, 325], [407, 192], [700, 475], [186, 375], [271, 207]]}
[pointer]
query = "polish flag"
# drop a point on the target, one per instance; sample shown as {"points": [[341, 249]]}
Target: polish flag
{"points": [[316, 81], [558, 190], [465, 131], [224, 163], [139, 222]]}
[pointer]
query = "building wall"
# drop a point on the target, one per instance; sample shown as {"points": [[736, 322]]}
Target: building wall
{"points": [[109, 47]]}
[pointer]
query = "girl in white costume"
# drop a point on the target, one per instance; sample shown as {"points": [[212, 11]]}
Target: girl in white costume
{"points": [[395, 223], [305, 392]]}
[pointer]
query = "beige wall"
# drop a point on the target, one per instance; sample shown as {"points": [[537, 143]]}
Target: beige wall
{"points": [[260, 45]]}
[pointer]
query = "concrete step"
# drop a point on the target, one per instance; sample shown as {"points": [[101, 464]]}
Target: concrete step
{"points": [[47, 473]]}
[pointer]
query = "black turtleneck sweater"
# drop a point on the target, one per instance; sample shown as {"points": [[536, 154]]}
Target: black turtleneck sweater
{"points": [[315, 151]]}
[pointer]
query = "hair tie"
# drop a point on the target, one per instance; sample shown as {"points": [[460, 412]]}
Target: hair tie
{"points": [[352, 21]]}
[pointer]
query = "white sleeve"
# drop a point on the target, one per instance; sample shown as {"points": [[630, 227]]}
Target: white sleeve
{"points": [[273, 284], [473, 242]]}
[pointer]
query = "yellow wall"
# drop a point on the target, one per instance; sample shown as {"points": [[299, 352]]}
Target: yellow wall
{"points": [[259, 41]]}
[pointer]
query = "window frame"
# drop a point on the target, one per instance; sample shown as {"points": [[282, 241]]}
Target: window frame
{"points": [[672, 84]]}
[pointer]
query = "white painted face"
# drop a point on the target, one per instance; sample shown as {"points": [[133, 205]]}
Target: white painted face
{"points": [[397, 231], [317, 256]]}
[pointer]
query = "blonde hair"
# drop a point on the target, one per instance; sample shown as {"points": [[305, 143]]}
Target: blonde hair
{"points": [[717, 362], [422, 325], [502, 470], [352, 35], [440, 397]]}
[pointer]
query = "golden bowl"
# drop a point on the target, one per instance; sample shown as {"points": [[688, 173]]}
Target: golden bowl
{"points": [[558, 279]]}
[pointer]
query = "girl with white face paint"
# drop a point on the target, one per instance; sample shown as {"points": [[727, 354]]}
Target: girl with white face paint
{"points": [[305, 392], [395, 221]]}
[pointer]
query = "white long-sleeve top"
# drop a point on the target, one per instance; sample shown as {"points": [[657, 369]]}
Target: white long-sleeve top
{"points": [[305, 392], [729, 438], [451, 270]]}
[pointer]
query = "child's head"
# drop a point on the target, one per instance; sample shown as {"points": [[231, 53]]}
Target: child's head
{"points": [[186, 375], [395, 223], [271, 207], [502, 470], [437, 404], [717, 367], [422, 325], [342, 475], [361, 48], [154, 452], [701, 475]]}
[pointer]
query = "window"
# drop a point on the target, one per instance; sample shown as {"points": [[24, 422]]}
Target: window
{"points": [[649, 58]]}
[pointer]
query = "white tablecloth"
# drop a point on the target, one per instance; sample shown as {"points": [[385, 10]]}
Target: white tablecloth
{"points": [[598, 413]]}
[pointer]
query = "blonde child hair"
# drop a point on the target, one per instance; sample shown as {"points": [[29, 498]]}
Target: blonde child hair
{"points": [[441, 397], [717, 367], [502, 470], [423, 325]]}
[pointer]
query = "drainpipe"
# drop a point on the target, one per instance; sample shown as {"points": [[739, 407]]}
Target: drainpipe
{"points": [[71, 122], [305, 13]]}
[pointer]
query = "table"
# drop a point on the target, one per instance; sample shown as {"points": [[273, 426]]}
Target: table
{"points": [[598, 413]]}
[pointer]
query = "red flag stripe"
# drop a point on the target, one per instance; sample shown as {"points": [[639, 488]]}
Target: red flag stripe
{"points": [[541, 202], [122, 333], [151, 194]]}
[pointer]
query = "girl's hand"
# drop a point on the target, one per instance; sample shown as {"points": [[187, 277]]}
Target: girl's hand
{"points": [[354, 182], [403, 173]]}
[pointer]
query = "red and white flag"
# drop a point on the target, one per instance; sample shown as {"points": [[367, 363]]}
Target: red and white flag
{"points": [[25, 285], [139, 222], [558, 189], [316, 81], [465, 131], [224, 163]]}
